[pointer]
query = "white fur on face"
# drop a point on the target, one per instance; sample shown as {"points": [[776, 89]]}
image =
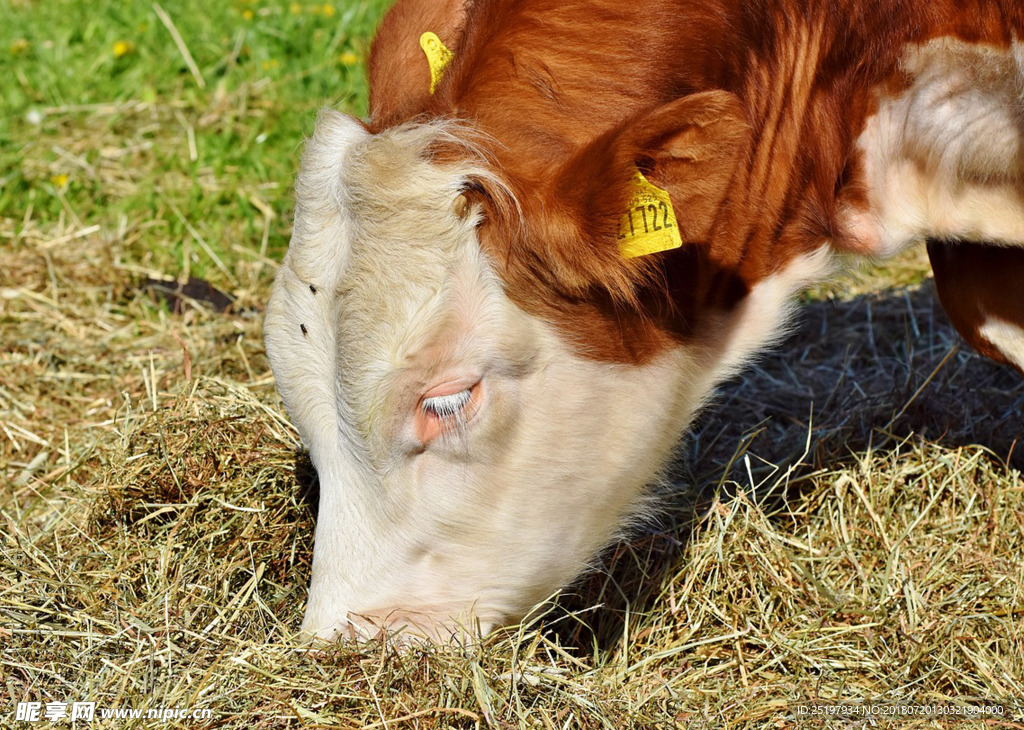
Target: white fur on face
{"points": [[385, 295], [945, 158]]}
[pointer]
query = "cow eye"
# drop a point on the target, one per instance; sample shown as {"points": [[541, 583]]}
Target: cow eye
{"points": [[447, 406]]}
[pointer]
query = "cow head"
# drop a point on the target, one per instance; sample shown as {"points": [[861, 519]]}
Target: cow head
{"points": [[471, 460]]}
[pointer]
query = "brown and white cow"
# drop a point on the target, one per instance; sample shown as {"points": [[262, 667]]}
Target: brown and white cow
{"points": [[485, 370]]}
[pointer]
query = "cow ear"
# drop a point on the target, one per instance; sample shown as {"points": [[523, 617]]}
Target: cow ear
{"points": [[690, 147], [400, 72]]}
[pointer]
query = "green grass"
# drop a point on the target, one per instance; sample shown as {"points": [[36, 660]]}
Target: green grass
{"points": [[858, 536], [99, 93]]}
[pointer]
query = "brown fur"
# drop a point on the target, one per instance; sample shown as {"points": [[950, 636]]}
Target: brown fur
{"points": [[745, 110], [399, 75], [977, 283]]}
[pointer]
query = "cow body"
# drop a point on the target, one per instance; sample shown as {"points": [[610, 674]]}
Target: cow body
{"points": [[484, 381]]}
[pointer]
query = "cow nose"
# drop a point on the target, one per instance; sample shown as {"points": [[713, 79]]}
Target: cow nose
{"points": [[411, 626], [403, 626]]}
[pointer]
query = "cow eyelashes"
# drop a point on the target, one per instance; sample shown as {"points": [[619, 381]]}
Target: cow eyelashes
{"points": [[447, 406]]}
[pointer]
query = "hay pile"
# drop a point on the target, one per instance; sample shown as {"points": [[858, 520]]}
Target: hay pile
{"points": [[836, 535]]}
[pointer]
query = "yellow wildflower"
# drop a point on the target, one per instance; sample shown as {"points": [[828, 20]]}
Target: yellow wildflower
{"points": [[19, 46], [271, 63], [60, 180], [247, 14], [295, 8], [123, 48], [329, 11], [348, 58]]}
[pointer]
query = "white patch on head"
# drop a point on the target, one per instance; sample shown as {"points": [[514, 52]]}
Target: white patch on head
{"points": [[945, 158], [319, 228], [1008, 337], [300, 323], [374, 249]]}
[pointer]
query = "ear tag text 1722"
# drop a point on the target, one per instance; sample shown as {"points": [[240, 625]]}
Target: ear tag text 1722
{"points": [[649, 225]]}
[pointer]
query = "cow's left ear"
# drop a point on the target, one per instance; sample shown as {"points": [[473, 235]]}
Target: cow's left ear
{"points": [[690, 147]]}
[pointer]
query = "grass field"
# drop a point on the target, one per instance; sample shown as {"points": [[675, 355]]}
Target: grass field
{"points": [[847, 526]]}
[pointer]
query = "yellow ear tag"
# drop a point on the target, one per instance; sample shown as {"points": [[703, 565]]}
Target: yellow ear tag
{"points": [[438, 56], [650, 225]]}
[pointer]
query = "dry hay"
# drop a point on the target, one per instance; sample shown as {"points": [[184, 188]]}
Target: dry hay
{"points": [[157, 530]]}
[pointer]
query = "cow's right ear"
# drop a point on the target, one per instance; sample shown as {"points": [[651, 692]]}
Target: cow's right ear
{"points": [[399, 72]]}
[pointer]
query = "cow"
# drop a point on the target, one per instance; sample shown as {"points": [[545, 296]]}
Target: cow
{"points": [[509, 290]]}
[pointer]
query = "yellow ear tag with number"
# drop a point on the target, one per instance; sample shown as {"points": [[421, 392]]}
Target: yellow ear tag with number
{"points": [[649, 225], [438, 56]]}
